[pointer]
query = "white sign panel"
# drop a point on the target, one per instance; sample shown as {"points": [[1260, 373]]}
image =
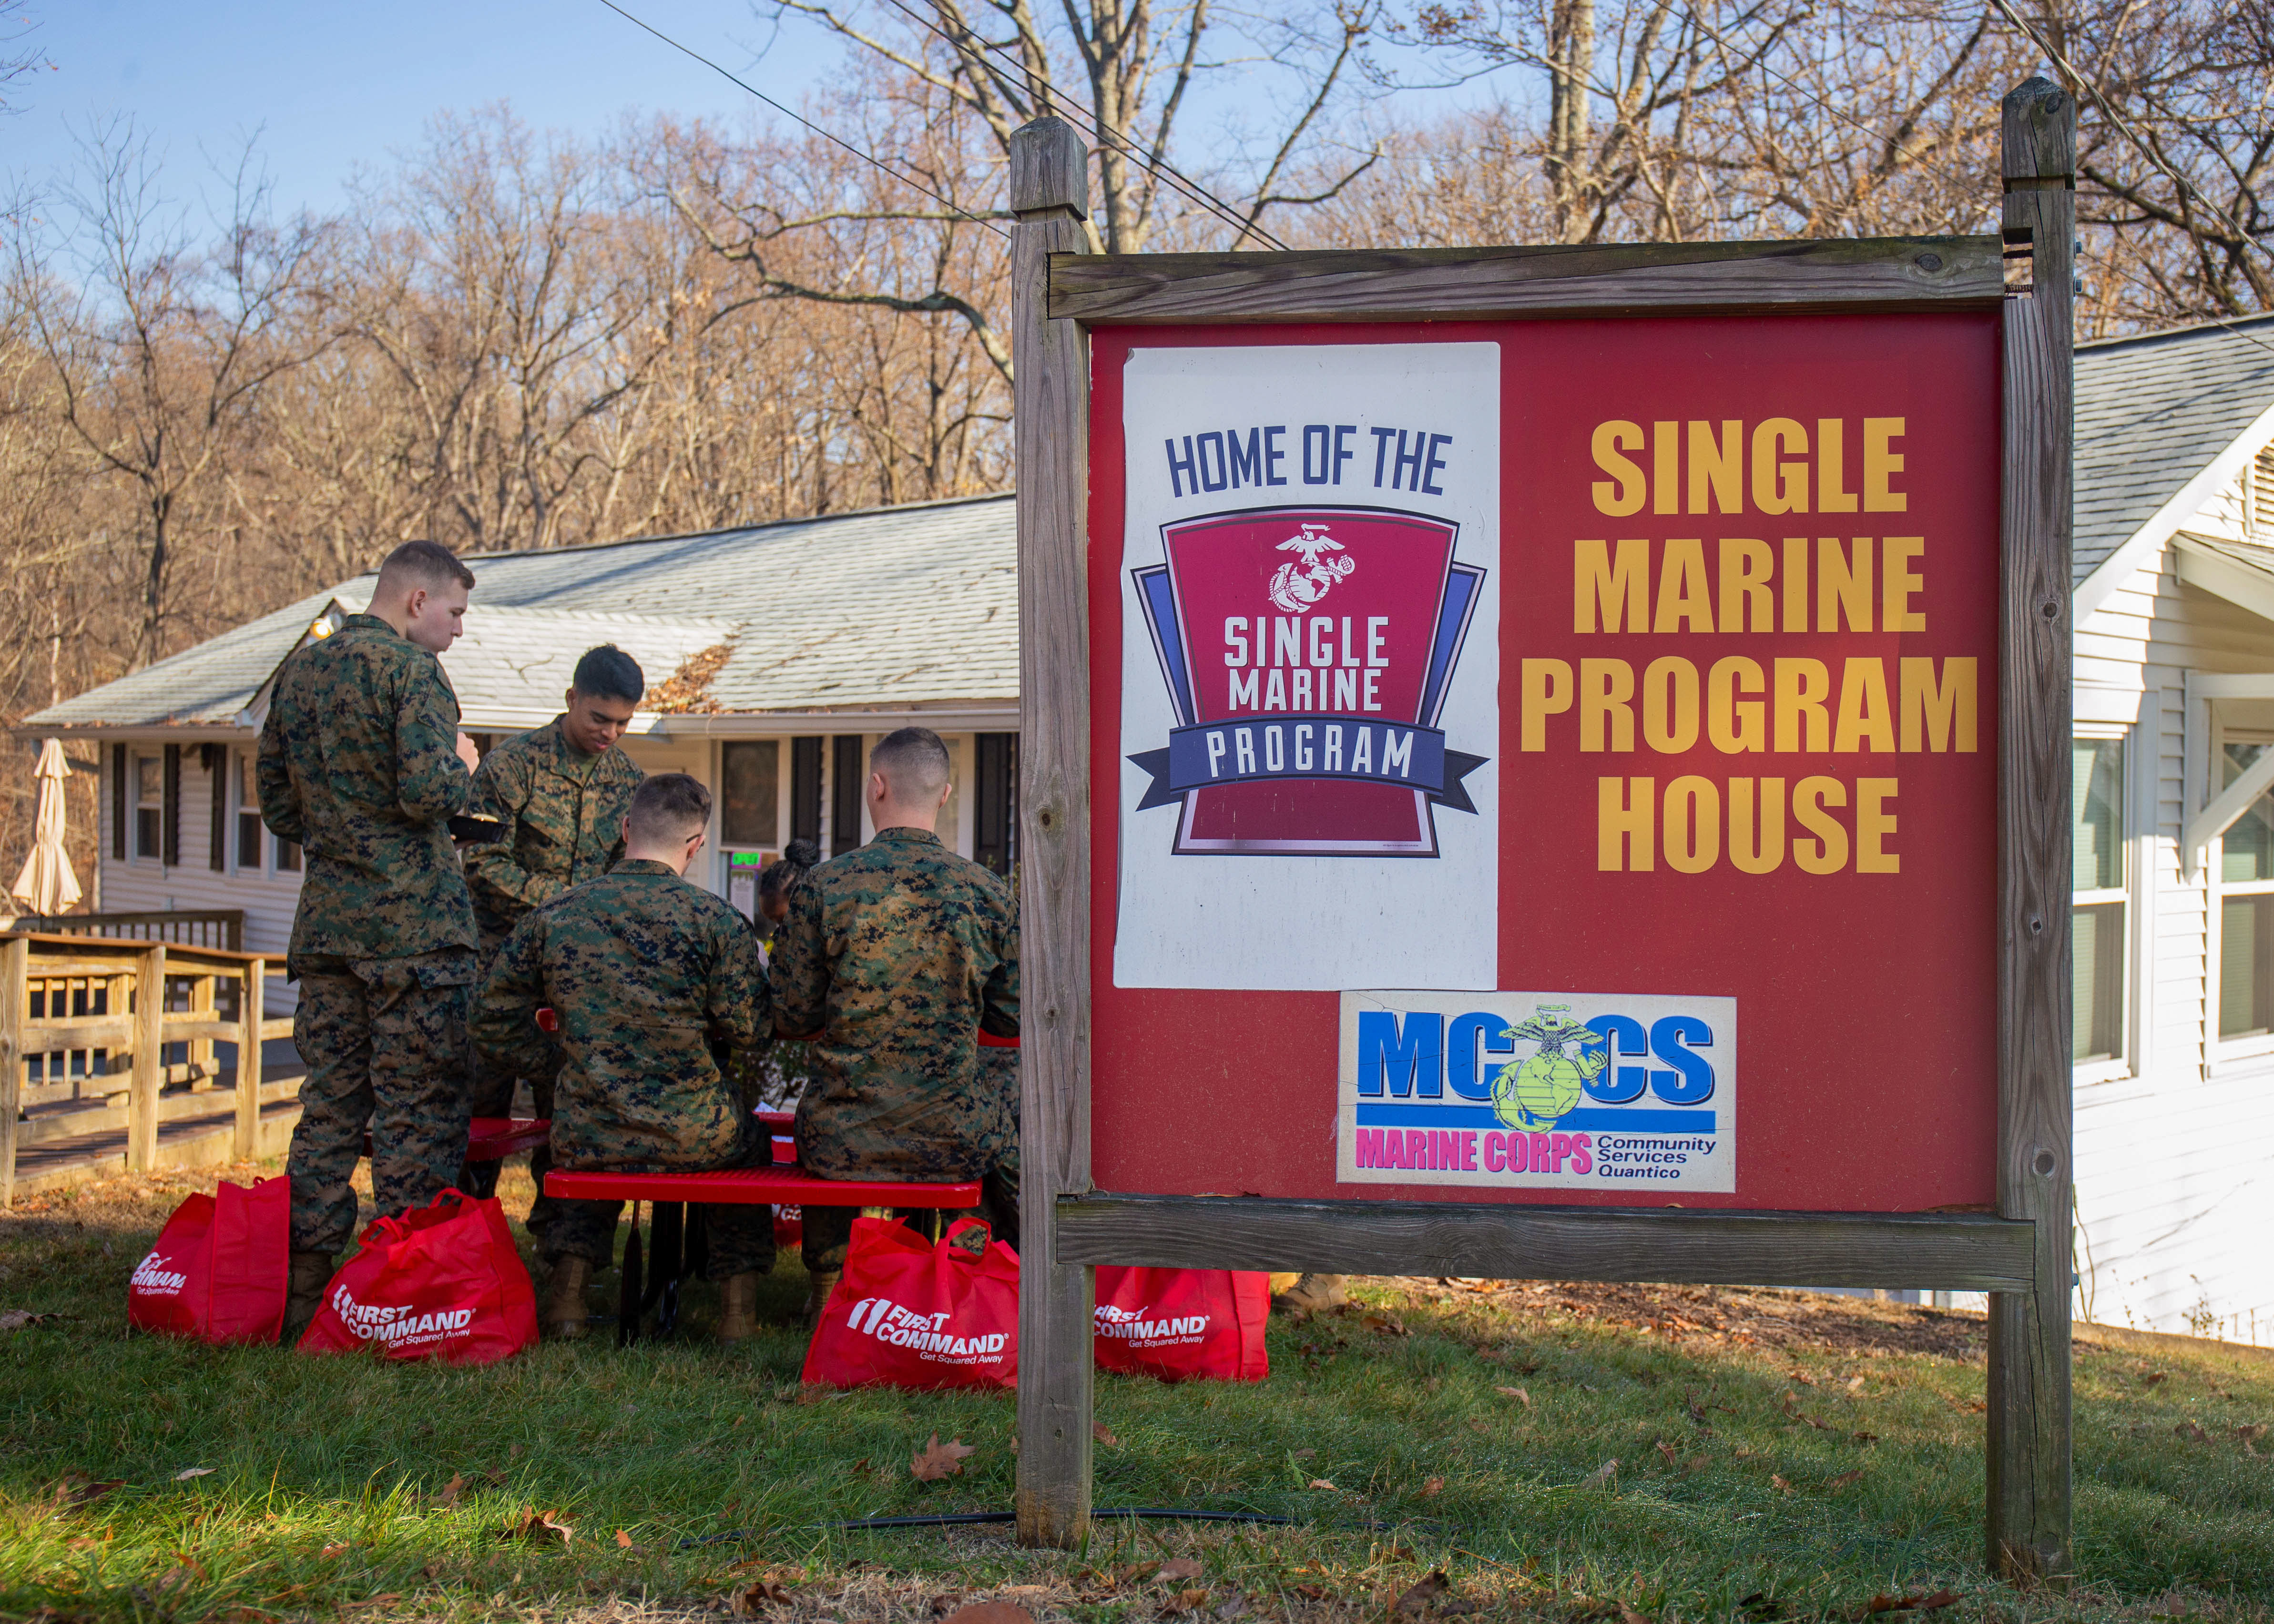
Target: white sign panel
{"points": [[1310, 674], [1539, 1091]]}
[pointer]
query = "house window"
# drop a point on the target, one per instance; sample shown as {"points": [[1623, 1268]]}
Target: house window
{"points": [[149, 806], [750, 797], [995, 805], [2098, 934], [249, 831], [2246, 909], [288, 855]]}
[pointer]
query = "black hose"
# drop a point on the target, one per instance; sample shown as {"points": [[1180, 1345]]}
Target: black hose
{"points": [[969, 1519]]}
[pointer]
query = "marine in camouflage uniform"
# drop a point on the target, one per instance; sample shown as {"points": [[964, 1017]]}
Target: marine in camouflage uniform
{"points": [[655, 981], [898, 955], [358, 765], [564, 813]]}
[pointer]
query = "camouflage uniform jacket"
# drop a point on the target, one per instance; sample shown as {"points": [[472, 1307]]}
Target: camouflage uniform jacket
{"points": [[652, 977], [897, 955], [564, 811], [358, 763]]}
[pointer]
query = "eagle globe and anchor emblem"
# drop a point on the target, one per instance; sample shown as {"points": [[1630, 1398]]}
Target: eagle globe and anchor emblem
{"points": [[1538, 1095], [1307, 654]]}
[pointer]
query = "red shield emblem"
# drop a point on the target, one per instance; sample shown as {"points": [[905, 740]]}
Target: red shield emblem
{"points": [[1308, 653]]}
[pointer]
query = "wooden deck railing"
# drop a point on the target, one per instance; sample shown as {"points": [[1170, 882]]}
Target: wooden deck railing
{"points": [[130, 980], [221, 927]]}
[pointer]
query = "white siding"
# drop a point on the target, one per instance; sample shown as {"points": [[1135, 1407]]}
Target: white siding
{"points": [[2174, 1196]]}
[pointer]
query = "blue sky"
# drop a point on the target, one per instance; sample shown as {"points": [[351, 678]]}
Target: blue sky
{"points": [[332, 85]]}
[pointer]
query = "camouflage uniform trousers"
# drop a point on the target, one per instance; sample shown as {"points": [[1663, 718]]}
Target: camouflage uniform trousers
{"points": [[828, 1231], [385, 1044], [741, 1236], [492, 1094]]}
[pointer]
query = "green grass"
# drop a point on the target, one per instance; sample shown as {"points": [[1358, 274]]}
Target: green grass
{"points": [[1777, 1456]]}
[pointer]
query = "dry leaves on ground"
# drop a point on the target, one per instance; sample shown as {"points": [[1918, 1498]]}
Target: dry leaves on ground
{"points": [[531, 1523], [940, 1460], [1423, 1590], [1099, 1431], [2249, 1434], [1179, 1568], [1386, 1323], [624, 1543], [1322, 1483], [754, 1600], [188, 1472], [1187, 1600], [17, 1319], [1779, 1484], [991, 1612], [1911, 1601], [2192, 1433], [1432, 1488], [77, 1490], [451, 1490], [331, 1550], [1517, 1394], [1604, 1473], [1844, 1479], [184, 1572]]}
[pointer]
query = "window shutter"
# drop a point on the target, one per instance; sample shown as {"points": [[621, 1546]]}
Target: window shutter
{"points": [[172, 814], [119, 803], [805, 789], [846, 780], [2262, 496], [216, 758]]}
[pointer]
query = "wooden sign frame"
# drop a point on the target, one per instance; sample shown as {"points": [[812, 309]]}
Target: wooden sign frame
{"points": [[2019, 1255]]}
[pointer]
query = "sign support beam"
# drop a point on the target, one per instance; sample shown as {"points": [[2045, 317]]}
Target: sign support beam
{"points": [[1050, 188], [2029, 1532]]}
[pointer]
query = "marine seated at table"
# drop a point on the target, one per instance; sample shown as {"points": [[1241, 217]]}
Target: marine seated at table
{"points": [[655, 982]]}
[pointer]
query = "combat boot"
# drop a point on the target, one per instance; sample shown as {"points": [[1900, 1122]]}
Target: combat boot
{"points": [[1312, 1294], [563, 1316], [738, 1306], [816, 1296], [311, 1273]]}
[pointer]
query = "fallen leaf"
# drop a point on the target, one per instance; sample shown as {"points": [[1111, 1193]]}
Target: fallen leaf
{"points": [[1628, 1615], [1099, 1431], [1180, 1567], [538, 1525], [75, 1491], [945, 1604], [2152, 1377], [624, 1542], [2250, 1431], [179, 1576], [1424, 1589], [1432, 1488], [1940, 1598], [1385, 1325], [767, 1592], [1232, 1606], [1843, 1479], [81, 1543], [1320, 1483], [1187, 1600], [1854, 1384], [17, 1319], [2192, 1433], [1517, 1394], [188, 1472], [1782, 1487], [1304, 1454], [1311, 1593], [1867, 1438], [1668, 1450], [1604, 1473], [451, 1490], [329, 1552], [514, 1452], [940, 1460], [991, 1612]]}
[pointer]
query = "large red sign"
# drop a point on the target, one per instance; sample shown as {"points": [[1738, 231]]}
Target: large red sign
{"points": [[1739, 769]]}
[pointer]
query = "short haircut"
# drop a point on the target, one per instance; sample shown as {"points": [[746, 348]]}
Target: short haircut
{"points": [[669, 806], [423, 563], [608, 672], [913, 763]]}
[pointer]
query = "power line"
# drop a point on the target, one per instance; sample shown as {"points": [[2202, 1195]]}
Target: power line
{"points": [[808, 123], [1161, 169]]}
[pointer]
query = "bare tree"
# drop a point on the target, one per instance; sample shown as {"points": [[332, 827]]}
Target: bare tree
{"points": [[21, 55]]}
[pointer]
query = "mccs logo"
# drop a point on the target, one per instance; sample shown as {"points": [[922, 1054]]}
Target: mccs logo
{"points": [[1307, 689]]}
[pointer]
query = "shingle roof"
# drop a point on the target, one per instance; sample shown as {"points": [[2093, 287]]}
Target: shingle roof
{"points": [[2152, 413], [909, 606]]}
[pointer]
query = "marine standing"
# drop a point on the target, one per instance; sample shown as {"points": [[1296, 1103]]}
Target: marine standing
{"points": [[362, 765], [895, 957], [561, 791], [656, 982]]}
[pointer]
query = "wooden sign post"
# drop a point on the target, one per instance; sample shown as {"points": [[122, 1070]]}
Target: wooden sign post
{"points": [[1489, 808]]}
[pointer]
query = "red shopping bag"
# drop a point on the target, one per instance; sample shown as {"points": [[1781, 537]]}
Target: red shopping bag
{"points": [[910, 1313], [1181, 1325], [218, 1271], [443, 1282]]}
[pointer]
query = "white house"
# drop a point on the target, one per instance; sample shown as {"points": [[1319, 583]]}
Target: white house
{"points": [[779, 654]]}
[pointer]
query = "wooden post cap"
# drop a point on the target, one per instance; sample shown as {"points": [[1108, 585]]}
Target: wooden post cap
{"points": [[1050, 167], [2039, 120]]}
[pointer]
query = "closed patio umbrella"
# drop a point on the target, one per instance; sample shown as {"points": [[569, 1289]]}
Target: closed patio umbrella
{"points": [[47, 884]]}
